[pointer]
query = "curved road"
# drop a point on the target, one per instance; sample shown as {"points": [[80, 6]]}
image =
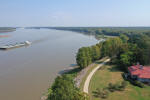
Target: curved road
{"points": [[87, 82]]}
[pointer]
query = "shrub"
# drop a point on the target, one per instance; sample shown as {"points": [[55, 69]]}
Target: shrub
{"points": [[101, 93], [137, 83], [105, 94], [117, 87], [140, 84], [111, 87], [123, 85]]}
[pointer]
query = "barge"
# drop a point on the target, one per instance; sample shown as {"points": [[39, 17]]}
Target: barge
{"points": [[17, 45]]}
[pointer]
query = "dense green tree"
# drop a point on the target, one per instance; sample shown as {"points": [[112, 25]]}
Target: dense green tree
{"points": [[84, 57], [111, 47], [126, 60], [143, 43], [64, 89], [124, 38], [96, 54]]}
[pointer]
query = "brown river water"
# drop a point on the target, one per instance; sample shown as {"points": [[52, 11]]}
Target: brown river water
{"points": [[27, 72]]}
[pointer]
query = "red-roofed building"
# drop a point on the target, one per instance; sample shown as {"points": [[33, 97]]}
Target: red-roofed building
{"points": [[140, 73]]}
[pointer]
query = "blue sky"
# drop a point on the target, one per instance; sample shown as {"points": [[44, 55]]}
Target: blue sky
{"points": [[74, 13]]}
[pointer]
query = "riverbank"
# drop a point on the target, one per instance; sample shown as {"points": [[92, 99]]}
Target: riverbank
{"points": [[64, 84], [71, 72], [78, 75]]}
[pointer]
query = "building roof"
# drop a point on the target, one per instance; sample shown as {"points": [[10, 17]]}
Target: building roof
{"points": [[140, 71]]}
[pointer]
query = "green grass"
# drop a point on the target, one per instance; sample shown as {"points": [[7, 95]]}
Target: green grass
{"points": [[88, 72], [110, 73]]}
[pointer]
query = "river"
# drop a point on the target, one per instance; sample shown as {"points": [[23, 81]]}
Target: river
{"points": [[27, 72]]}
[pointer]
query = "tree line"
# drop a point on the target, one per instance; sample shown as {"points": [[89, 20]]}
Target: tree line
{"points": [[124, 51], [87, 55], [111, 31]]}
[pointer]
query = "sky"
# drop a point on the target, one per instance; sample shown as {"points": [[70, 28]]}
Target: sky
{"points": [[23, 13]]}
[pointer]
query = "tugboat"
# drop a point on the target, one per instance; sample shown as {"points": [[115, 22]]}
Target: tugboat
{"points": [[17, 45]]}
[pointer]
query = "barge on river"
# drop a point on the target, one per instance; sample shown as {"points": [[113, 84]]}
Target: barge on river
{"points": [[17, 45]]}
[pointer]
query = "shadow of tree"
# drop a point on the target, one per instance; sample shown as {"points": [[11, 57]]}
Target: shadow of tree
{"points": [[114, 69], [71, 68], [70, 71]]}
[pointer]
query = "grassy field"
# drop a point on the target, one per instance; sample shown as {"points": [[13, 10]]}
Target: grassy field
{"points": [[110, 73]]}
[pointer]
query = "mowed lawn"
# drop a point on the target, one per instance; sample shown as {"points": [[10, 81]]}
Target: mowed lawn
{"points": [[110, 73]]}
